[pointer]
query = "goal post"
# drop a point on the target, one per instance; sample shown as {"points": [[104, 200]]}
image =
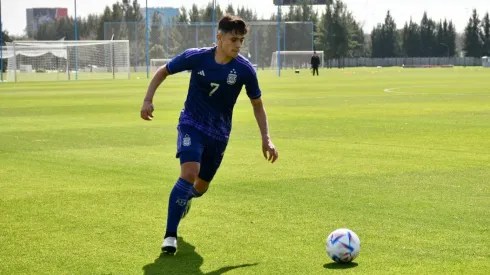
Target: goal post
{"points": [[67, 60], [295, 59], [156, 63]]}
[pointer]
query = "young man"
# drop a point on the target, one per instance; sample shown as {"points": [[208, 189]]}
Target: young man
{"points": [[218, 75], [315, 62]]}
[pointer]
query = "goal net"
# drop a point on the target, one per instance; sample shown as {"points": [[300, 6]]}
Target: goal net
{"points": [[157, 63], [294, 59], [67, 60]]}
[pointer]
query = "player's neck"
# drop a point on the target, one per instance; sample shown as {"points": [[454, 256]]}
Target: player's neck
{"points": [[220, 57]]}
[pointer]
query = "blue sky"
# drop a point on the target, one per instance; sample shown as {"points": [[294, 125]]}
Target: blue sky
{"points": [[370, 12]]}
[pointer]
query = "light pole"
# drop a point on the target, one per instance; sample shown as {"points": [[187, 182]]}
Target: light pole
{"points": [[1, 44], [76, 38], [214, 24], [76, 23], [279, 38], [147, 43]]}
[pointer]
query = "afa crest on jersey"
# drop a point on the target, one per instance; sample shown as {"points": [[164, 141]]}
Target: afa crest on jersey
{"points": [[232, 77], [186, 141]]}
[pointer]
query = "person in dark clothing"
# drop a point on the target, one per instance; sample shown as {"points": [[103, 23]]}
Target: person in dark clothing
{"points": [[315, 62]]}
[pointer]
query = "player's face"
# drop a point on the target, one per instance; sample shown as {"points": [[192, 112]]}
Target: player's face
{"points": [[230, 43]]}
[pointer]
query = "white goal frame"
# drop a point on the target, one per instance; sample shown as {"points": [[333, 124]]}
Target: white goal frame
{"points": [[156, 63], [295, 59], [67, 60]]}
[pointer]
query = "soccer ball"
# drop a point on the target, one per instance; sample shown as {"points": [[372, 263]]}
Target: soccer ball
{"points": [[343, 245]]}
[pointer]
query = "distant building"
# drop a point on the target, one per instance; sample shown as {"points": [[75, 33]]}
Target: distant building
{"points": [[166, 14], [38, 16]]}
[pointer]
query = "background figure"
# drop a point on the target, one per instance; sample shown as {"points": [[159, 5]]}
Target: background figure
{"points": [[315, 62]]}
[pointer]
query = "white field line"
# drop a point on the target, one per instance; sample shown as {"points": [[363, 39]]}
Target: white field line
{"points": [[396, 90]]}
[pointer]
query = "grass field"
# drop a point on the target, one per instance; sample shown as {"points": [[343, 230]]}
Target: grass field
{"points": [[402, 157]]}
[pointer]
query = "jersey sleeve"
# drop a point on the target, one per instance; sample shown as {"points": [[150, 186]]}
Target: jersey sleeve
{"points": [[185, 61], [252, 86]]}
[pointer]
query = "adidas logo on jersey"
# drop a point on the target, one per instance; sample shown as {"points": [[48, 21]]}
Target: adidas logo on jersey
{"points": [[201, 73]]}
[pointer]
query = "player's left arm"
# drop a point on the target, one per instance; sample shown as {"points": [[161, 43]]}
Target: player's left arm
{"points": [[268, 149], [253, 91]]}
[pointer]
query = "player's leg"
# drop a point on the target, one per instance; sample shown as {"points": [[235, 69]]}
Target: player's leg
{"points": [[200, 187], [212, 157], [210, 160], [189, 151]]}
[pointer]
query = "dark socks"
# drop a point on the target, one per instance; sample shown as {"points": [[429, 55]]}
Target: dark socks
{"points": [[177, 204]]}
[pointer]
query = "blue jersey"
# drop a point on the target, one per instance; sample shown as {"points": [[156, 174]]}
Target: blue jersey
{"points": [[213, 89]]}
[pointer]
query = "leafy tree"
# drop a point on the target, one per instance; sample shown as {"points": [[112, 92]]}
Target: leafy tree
{"points": [[472, 44]]}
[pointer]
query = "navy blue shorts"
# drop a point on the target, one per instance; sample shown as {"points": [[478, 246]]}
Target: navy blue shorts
{"points": [[195, 146]]}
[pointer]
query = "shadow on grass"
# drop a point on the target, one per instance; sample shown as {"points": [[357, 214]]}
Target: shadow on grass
{"points": [[336, 265], [185, 261]]}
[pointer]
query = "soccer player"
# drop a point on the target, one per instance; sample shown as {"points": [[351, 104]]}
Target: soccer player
{"points": [[217, 77], [315, 62]]}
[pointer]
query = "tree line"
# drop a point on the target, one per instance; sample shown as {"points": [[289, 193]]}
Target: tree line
{"points": [[430, 38], [336, 31]]}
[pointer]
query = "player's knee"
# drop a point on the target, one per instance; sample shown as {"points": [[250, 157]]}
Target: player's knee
{"points": [[189, 175], [189, 172], [201, 186]]}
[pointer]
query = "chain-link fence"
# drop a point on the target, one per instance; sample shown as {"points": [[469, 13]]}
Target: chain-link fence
{"points": [[407, 62], [167, 40]]}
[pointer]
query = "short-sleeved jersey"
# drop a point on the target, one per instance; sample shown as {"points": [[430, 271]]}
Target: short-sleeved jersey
{"points": [[213, 89]]}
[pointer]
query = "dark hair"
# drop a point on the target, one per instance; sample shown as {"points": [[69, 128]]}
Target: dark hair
{"points": [[232, 24]]}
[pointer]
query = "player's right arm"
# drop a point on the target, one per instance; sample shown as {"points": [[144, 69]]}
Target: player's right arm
{"points": [[158, 78], [182, 62]]}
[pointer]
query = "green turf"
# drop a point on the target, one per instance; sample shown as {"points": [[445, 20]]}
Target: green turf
{"points": [[402, 157]]}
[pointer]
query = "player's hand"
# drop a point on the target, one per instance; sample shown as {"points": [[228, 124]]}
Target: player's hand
{"points": [[147, 111], [270, 152]]}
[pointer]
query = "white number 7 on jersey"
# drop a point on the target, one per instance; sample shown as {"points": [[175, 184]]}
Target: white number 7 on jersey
{"points": [[215, 87]]}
